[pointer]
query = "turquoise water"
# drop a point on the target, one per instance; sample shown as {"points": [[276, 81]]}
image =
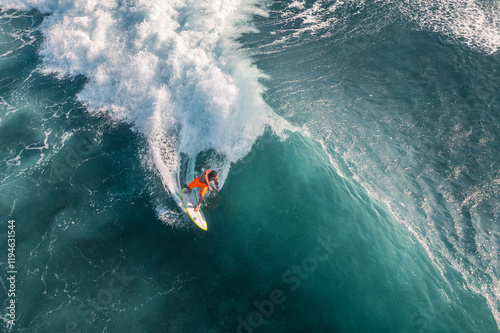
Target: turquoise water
{"points": [[357, 144]]}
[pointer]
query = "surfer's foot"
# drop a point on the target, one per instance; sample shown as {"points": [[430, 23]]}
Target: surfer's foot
{"points": [[197, 208]]}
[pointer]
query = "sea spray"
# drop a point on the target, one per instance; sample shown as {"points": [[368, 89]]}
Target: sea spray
{"points": [[173, 70]]}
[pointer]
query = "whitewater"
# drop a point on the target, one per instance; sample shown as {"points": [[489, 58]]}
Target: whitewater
{"points": [[172, 69]]}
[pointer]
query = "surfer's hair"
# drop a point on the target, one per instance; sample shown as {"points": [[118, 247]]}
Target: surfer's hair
{"points": [[212, 174]]}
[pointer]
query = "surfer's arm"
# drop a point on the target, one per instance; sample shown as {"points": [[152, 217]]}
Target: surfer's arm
{"points": [[207, 181]]}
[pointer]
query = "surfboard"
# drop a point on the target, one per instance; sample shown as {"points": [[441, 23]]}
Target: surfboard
{"points": [[190, 201]]}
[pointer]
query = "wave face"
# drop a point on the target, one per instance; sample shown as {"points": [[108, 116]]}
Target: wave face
{"points": [[171, 68], [416, 121]]}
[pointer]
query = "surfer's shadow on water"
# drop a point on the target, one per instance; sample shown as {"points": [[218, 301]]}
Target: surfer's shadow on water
{"points": [[211, 201]]}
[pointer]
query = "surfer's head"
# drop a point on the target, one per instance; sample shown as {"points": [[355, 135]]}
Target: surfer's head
{"points": [[212, 174]]}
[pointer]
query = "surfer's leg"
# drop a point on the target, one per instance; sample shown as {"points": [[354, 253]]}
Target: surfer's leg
{"points": [[199, 203], [193, 184], [203, 191]]}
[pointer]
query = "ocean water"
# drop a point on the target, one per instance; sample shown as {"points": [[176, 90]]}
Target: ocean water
{"points": [[357, 143]]}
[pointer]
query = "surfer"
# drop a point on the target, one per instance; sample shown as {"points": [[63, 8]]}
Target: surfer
{"points": [[203, 182]]}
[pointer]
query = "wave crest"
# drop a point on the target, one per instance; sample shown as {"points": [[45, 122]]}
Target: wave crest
{"points": [[172, 69]]}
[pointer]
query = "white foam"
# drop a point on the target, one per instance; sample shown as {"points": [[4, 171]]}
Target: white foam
{"points": [[475, 23], [172, 69]]}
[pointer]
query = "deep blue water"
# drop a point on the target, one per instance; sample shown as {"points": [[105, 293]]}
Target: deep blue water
{"points": [[357, 143]]}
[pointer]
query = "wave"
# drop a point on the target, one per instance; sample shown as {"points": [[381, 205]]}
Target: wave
{"points": [[177, 73], [174, 70], [445, 194]]}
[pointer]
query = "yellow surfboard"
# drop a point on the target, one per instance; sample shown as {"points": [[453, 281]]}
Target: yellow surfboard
{"points": [[190, 201]]}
